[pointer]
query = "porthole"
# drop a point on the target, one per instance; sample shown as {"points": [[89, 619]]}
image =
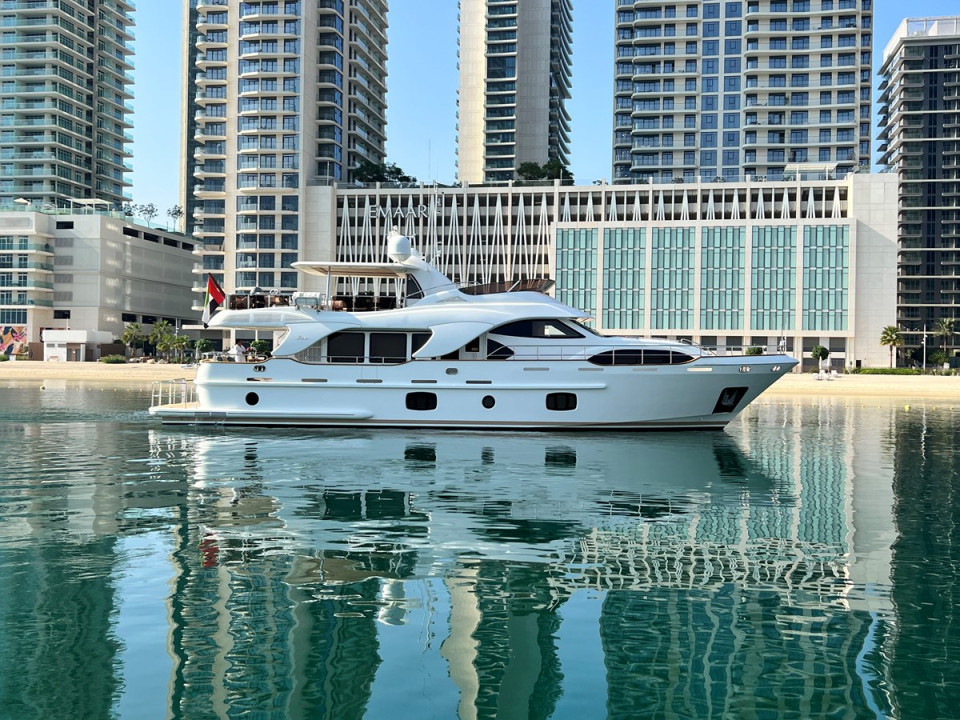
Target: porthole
{"points": [[252, 398], [488, 401]]}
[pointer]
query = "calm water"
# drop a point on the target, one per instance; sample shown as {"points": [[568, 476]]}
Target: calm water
{"points": [[802, 564]]}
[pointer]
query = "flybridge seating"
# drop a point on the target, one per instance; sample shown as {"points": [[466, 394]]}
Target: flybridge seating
{"points": [[366, 301]]}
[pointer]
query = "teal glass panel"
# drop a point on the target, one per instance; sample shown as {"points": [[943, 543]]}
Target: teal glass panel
{"points": [[672, 278], [722, 277], [577, 269], [773, 278], [826, 277], [623, 278]]}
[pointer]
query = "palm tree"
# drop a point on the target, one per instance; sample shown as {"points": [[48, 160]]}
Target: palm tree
{"points": [[181, 343], [133, 335], [945, 329], [161, 336], [892, 338]]}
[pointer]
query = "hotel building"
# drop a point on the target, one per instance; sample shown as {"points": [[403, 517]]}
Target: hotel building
{"points": [[787, 265], [279, 94], [515, 74], [65, 98], [744, 88], [920, 142]]}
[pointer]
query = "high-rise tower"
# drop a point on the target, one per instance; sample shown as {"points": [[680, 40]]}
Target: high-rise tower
{"points": [[281, 94], [920, 140], [515, 71], [727, 89], [65, 101]]}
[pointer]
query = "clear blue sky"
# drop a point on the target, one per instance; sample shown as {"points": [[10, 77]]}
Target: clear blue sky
{"points": [[422, 82]]}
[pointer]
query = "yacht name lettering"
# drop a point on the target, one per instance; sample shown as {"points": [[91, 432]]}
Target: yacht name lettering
{"points": [[417, 212]]}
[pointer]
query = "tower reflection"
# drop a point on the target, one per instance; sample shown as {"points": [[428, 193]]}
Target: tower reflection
{"points": [[715, 569]]}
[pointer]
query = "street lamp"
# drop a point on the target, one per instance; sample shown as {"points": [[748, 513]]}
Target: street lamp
{"points": [[923, 341]]}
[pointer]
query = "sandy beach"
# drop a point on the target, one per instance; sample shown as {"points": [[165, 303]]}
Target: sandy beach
{"points": [[911, 386], [141, 373]]}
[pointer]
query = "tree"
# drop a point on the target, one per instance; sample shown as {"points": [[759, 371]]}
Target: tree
{"points": [[554, 169], [753, 350], [945, 329], [820, 353], [371, 172], [530, 171], [133, 336], [180, 343], [175, 213], [202, 346], [147, 211], [161, 336], [891, 337]]}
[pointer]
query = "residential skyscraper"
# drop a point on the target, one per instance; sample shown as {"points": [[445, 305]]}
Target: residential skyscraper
{"points": [[64, 101], [515, 73], [920, 140], [281, 94], [727, 89]]}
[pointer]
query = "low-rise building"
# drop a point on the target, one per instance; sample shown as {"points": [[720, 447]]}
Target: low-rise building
{"points": [[91, 272]]}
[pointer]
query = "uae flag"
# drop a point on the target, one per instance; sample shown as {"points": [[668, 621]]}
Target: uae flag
{"points": [[214, 299]]}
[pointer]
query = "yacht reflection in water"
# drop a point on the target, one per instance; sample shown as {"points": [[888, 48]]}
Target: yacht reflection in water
{"points": [[312, 555]]}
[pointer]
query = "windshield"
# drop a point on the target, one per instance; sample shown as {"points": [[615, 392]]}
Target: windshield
{"points": [[582, 324]]}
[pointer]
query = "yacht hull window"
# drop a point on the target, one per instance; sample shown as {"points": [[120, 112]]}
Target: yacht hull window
{"points": [[421, 401], [561, 401]]}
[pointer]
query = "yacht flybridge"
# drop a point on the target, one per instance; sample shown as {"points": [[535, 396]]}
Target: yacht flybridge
{"points": [[449, 358]]}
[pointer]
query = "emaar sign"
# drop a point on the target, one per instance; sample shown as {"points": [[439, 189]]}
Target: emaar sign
{"points": [[400, 213]]}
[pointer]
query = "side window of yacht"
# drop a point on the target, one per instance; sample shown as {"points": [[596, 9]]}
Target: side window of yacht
{"points": [[497, 351], [346, 347], [414, 292], [640, 356], [547, 329], [418, 340], [388, 347]]}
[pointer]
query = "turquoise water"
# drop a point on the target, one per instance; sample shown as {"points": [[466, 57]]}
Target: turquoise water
{"points": [[801, 564]]}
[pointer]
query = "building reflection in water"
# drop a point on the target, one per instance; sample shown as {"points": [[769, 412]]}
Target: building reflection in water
{"points": [[731, 575], [782, 567]]}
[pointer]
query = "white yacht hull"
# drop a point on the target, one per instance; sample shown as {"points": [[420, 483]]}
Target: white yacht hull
{"points": [[498, 395]]}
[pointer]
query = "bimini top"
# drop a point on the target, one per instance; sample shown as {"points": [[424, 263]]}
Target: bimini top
{"points": [[349, 269]]}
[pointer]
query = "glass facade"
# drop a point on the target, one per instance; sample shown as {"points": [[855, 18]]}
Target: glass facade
{"points": [[577, 269], [623, 277], [710, 265], [825, 277], [773, 278], [722, 270], [671, 278]]}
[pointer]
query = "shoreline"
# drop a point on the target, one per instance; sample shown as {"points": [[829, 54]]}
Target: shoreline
{"points": [[946, 388]]}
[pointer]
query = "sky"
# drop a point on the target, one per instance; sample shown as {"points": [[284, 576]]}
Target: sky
{"points": [[422, 79]]}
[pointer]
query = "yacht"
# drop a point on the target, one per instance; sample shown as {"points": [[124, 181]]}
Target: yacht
{"points": [[502, 358]]}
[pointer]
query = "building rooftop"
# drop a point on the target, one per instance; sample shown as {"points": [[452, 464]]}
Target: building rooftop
{"points": [[931, 27]]}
